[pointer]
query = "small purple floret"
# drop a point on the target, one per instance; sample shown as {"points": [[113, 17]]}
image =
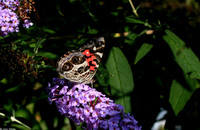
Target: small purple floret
{"points": [[85, 105], [9, 20]]}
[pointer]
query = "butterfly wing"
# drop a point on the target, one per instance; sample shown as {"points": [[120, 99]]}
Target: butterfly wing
{"points": [[81, 65]]}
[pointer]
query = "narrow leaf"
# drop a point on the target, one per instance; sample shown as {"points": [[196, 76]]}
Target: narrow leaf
{"points": [[184, 56], [136, 21], [120, 78], [178, 96], [133, 20], [49, 30], [144, 49], [59, 10]]}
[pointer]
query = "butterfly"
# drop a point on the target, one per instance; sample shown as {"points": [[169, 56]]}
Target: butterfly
{"points": [[80, 66]]}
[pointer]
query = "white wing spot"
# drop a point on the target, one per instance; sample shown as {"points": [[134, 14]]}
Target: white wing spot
{"points": [[99, 54], [94, 48]]}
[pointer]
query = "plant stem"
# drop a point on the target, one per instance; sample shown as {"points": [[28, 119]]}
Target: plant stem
{"points": [[134, 10], [15, 120]]}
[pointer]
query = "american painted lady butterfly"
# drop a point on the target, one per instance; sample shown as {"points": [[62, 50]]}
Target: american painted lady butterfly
{"points": [[80, 66]]}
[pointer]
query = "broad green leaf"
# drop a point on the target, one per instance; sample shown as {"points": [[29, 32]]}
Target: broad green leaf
{"points": [[25, 114], [48, 55], [184, 56], [120, 78], [178, 96], [144, 49]]}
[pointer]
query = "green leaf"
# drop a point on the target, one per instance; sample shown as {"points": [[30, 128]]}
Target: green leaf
{"points": [[24, 43], [32, 45], [184, 56], [92, 31], [120, 78], [178, 96], [102, 76], [25, 114], [48, 55], [114, 13], [38, 45], [81, 41], [49, 30], [13, 89], [3, 37], [136, 21], [8, 105], [133, 20], [59, 10], [4, 81], [144, 49], [131, 37]]}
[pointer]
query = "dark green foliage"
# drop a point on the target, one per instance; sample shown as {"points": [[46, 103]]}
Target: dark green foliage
{"points": [[120, 78]]}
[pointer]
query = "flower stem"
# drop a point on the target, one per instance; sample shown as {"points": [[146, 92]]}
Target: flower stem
{"points": [[13, 119], [134, 10]]}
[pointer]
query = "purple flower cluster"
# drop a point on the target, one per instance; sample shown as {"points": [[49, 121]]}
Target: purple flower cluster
{"points": [[9, 20], [86, 106]]}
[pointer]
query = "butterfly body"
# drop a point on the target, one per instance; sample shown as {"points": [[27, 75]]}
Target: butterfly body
{"points": [[80, 65]]}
